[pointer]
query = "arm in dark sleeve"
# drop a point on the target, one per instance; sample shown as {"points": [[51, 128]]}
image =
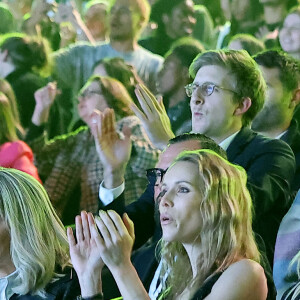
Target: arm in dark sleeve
{"points": [[141, 212]]}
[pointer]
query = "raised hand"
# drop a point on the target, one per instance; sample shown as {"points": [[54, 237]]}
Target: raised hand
{"points": [[117, 239], [44, 98], [153, 116], [85, 254], [116, 245], [114, 150]]}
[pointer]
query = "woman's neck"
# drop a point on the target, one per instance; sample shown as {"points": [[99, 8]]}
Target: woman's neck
{"points": [[193, 251], [6, 265]]}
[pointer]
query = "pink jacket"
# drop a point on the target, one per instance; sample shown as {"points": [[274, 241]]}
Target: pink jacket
{"points": [[18, 155]]}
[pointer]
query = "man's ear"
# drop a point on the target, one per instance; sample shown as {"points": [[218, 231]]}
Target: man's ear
{"points": [[295, 99], [243, 106]]}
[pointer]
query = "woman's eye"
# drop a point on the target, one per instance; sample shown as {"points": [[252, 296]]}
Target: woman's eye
{"points": [[183, 189]]}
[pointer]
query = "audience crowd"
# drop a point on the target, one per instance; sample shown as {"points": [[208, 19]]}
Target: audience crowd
{"points": [[150, 149]]}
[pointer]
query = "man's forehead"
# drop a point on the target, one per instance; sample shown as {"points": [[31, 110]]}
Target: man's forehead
{"points": [[216, 74], [173, 150]]}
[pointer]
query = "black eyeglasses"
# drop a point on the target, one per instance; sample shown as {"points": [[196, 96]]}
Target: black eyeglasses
{"points": [[206, 89], [155, 175], [88, 93]]}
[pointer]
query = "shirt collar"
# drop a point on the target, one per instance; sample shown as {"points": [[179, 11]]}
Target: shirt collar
{"points": [[225, 143], [7, 283]]}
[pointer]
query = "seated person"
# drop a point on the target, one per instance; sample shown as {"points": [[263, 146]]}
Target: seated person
{"points": [[172, 79], [282, 75], [14, 153], [35, 262], [207, 249], [24, 62], [247, 42], [69, 164], [289, 34]]}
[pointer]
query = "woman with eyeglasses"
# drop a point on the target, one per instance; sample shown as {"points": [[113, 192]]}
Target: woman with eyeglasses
{"points": [[69, 164], [207, 248]]}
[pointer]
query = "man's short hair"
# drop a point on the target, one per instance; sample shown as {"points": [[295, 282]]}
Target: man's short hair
{"points": [[288, 66], [204, 142], [249, 80], [185, 49]]}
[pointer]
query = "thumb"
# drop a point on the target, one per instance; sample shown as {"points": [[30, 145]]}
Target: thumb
{"points": [[129, 225]]}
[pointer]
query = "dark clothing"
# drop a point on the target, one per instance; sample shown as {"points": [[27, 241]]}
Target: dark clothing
{"points": [[24, 85], [292, 138], [270, 166], [180, 117], [159, 43], [207, 286], [64, 288]]}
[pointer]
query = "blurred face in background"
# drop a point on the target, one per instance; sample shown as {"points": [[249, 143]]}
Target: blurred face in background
{"points": [[181, 20], [289, 35], [96, 21], [90, 98]]}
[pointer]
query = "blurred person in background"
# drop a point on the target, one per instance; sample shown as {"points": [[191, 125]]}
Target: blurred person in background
{"points": [[69, 164], [14, 153], [24, 63]]}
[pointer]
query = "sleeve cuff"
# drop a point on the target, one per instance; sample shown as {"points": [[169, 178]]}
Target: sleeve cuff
{"points": [[106, 196]]}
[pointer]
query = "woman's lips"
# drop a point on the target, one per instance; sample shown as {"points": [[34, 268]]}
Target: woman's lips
{"points": [[165, 219]]}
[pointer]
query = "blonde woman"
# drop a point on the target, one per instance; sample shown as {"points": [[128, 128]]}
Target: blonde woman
{"points": [[208, 248], [34, 256]]}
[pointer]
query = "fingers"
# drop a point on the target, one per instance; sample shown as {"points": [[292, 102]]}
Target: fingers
{"points": [[85, 225], [129, 225], [137, 111], [71, 238], [94, 231]]}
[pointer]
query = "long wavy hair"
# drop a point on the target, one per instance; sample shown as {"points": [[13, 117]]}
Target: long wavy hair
{"points": [[7, 90], [38, 242], [226, 232], [8, 130]]}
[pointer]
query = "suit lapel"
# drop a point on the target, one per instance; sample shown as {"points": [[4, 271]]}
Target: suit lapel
{"points": [[241, 140]]}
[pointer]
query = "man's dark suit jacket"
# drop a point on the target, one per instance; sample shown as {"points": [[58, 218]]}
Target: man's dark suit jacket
{"points": [[270, 166], [292, 138]]}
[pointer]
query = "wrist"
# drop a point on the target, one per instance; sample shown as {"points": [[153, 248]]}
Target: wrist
{"points": [[90, 285], [113, 178]]}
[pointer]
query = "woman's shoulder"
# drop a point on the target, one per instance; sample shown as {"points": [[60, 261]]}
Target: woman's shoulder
{"points": [[244, 279], [16, 148]]}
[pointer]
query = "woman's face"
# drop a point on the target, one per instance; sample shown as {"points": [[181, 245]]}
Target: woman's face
{"points": [[179, 205], [90, 98], [289, 35]]}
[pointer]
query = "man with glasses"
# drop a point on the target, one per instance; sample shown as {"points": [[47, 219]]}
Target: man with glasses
{"points": [[227, 92]]}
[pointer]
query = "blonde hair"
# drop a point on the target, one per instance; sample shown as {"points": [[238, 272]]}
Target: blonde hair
{"points": [[38, 240], [226, 223]]}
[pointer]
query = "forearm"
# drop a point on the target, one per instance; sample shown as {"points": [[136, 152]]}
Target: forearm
{"points": [[129, 284], [90, 284]]}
